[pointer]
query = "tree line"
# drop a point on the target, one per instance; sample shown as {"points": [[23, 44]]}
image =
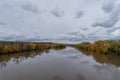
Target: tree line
{"points": [[15, 47], [101, 46]]}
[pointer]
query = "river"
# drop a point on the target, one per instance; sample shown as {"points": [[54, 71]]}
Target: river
{"points": [[64, 64]]}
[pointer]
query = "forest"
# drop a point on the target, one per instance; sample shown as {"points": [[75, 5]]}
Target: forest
{"points": [[7, 47], [100, 46]]}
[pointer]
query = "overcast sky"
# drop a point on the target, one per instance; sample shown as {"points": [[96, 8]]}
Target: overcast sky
{"points": [[73, 20]]}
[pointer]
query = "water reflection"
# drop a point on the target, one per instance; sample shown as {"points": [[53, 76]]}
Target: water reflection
{"points": [[16, 58], [19, 57], [64, 64], [104, 58]]}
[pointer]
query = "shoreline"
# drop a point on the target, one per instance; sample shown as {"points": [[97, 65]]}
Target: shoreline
{"points": [[100, 46]]}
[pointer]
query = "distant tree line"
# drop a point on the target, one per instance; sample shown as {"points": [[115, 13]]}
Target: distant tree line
{"points": [[101, 46], [15, 47]]}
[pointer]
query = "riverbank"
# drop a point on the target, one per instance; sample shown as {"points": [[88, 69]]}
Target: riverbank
{"points": [[100, 46], [7, 47]]}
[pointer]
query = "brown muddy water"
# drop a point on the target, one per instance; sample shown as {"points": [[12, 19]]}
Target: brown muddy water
{"points": [[65, 64]]}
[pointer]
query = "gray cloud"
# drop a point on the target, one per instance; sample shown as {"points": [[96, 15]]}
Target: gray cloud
{"points": [[2, 23], [83, 35], [57, 12], [110, 20], [30, 7], [108, 6], [19, 19], [84, 28], [112, 29], [115, 32], [79, 14], [78, 36]]}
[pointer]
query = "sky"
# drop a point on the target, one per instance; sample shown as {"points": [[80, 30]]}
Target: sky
{"points": [[59, 20]]}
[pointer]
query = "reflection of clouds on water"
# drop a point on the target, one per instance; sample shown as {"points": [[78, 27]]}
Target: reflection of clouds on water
{"points": [[119, 68], [70, 53], [67, 64], [108, 71], [88, 68], [75, 57], [98, 72], [57, 78], [106, 67], [80, 77]]}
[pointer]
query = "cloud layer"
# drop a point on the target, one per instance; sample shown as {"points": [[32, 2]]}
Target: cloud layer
{"points": [[30, 7], [108, 6], [109, 19], [57, 12], [79, 14], [62, 20]]}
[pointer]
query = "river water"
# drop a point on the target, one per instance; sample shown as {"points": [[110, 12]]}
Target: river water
{"points": [[65, 64]]}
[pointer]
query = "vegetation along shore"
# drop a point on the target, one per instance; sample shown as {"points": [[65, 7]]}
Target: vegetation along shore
{"points": [[7, 47], [100, 46]]}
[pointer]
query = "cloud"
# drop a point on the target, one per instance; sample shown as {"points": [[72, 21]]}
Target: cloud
{"points": [[30, 7], [84, 28], [109, 20], [116, 32], [57, 12], [89, 35], [79, 14], [112, 29], [108, 5], [75, 19], [113, 33], [2, 23]]}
